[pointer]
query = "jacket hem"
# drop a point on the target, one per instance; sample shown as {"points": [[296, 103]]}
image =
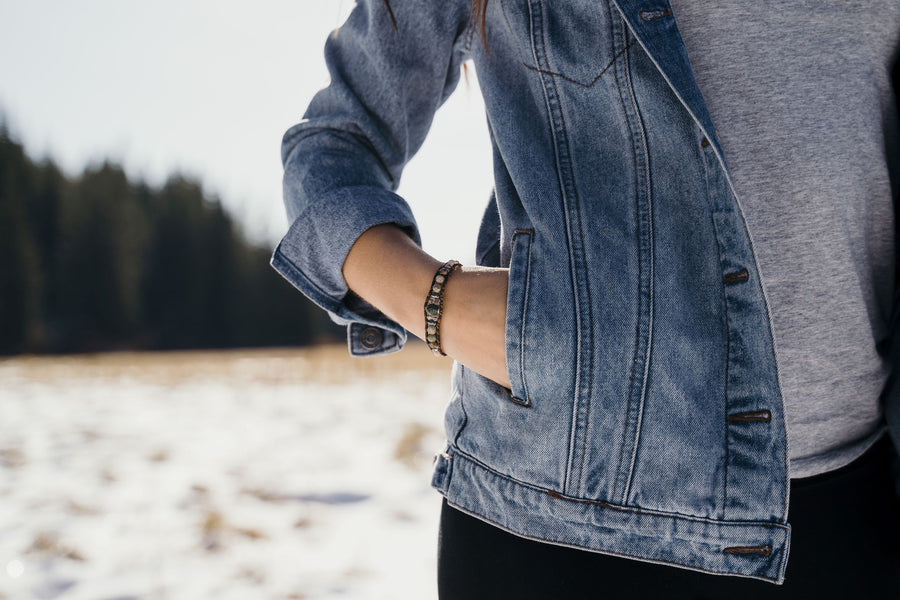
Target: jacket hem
{"points": [[758, 550]]}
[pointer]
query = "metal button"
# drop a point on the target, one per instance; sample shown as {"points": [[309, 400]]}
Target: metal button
{"points": [[371, 338]]}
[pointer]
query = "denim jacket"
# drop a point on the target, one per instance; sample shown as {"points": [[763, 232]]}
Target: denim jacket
{"points": [[645, 416]]}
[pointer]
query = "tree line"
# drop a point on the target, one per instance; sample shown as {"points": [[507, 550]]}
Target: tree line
{"points": [[98, 262]]}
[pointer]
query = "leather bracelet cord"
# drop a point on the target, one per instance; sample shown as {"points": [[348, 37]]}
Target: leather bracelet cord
{"points": [[434, 306]]}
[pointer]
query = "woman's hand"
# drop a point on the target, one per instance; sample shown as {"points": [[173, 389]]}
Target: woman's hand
{"points": [[474, 319], [388, 270]]}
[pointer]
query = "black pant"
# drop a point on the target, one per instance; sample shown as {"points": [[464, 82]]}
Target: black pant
{"points": [[845, 543]]}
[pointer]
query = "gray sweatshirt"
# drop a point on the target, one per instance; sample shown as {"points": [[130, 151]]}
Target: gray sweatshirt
{"points": [[800, 93]]}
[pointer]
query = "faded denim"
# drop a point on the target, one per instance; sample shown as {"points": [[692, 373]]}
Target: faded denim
{"points": [[645, 417]]}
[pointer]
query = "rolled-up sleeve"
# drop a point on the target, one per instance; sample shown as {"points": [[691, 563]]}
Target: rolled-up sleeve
{"points": [[390, 71]]}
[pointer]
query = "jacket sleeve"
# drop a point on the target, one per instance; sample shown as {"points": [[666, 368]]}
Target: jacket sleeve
{"points": [[390, 71]]}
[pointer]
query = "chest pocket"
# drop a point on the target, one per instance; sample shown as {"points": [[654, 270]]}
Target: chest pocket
{"points": [[568, 39]]}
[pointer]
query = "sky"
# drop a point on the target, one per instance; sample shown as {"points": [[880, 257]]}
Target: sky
{"points": [[208, 89]]}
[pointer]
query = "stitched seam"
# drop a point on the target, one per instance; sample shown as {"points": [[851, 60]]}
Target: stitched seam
{"points": [[506, 18], [576, 82], [509, 27], [650, 251], [524, 313], [727, 332], [462, 406], [591, 357], [519, 374], [635, 127], [586, 409], [637, 327], [573, 222], [519, 401], [563, 199], [616, 507], [469, 35]]}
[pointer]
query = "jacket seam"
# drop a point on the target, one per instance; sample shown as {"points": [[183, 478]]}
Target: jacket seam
{"points": [[637, 326], [583, 398], [727, 333], [468, 35], [584, 85], [555, 134], [639, 122], [629, 400], [463, 374], [611, 506], [637, 319], [524, 315]]}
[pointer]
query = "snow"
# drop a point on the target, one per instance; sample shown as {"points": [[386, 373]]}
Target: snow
{"points": [[283, 474]]}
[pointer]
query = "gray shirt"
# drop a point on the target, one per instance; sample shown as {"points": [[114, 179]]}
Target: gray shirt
{"points": [[800, 93]]}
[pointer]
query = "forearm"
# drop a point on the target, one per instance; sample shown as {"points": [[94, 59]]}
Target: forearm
{"points": [[388, 270]]}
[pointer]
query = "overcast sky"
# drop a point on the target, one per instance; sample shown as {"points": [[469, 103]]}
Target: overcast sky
{"points": [[208, 88]]}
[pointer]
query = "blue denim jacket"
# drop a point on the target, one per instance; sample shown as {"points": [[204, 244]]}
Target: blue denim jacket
{"points": [[645, 416]]}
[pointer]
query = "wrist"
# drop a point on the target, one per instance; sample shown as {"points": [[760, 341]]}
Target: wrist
{"points": [[386, 268], [434, 304]]}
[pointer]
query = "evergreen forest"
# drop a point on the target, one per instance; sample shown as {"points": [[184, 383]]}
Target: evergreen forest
{"points": [[98, 262]]}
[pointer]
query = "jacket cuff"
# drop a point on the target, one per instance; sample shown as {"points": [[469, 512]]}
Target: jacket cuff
{"points": [[312, 253]]}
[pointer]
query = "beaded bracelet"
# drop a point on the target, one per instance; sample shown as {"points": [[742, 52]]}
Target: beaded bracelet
{"points": [[434, 306]]}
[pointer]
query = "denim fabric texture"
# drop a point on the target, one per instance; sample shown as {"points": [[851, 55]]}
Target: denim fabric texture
{"points": [[645, 416]]}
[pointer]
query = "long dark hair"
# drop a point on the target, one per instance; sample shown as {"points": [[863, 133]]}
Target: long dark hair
{"points": [[479, 15]]}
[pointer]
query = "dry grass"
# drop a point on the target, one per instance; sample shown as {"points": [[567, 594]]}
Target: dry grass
{"points": [[12, 458], [214, 528], [265, 495], [321, 364], [411, 448], [76, 508], [159, 456], [253, 575], [48, 544]]}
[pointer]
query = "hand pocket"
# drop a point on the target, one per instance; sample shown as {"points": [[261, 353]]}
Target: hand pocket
{"points": [[516, 315]]}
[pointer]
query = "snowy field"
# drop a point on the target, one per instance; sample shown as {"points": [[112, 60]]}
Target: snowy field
{"points": [[263, 474]]}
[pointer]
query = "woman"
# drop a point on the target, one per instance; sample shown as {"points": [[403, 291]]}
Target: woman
{"points": [[620, 415]]}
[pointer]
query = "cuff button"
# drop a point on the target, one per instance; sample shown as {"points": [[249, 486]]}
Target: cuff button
{"points": [[371, 338]]}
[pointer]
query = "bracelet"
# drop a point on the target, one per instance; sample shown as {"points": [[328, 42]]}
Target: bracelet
{"points": [[434, 306]]}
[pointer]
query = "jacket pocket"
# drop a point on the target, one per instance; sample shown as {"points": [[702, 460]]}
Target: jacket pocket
{"points": [[580, 58], [516, 314]]}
